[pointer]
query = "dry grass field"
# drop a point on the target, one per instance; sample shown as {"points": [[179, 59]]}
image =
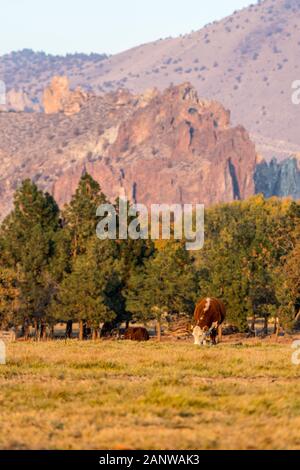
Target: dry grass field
{"points": [[120, 395]]}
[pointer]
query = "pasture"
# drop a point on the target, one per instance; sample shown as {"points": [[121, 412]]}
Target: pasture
{"points": [[169, 395]]}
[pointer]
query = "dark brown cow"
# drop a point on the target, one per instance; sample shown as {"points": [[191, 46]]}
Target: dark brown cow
{"points": [[209, 315], [137, 334]]}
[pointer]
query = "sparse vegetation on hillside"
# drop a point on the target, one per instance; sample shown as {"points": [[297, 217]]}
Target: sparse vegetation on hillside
{"points": [[259, 41], [32, 70]]}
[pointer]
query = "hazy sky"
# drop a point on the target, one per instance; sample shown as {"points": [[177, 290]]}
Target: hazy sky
{"points": [[61, 26]]}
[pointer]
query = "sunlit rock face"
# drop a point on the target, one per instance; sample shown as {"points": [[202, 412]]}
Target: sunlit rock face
{"points": [[59, 98], [158, 147]]}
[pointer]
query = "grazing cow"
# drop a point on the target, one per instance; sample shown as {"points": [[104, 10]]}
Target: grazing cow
{"points": [[137, 334], [209, 315], [8, 336]]}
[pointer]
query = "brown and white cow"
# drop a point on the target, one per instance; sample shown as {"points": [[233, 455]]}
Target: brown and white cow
{"points": [[209, 315]]}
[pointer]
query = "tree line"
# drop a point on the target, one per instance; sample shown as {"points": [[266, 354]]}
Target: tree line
{"points": [[54, 269]]}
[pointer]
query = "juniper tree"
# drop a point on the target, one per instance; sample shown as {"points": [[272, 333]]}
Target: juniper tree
{"points": [[245, 245], [287, 282], [131, 254], [92, 291], [166, 285], [79, 227], [79, 217], [223, 262], [9, 297], [27, 244]]}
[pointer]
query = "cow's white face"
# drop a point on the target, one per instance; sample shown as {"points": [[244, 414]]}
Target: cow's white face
{"points": [[199, 336]]}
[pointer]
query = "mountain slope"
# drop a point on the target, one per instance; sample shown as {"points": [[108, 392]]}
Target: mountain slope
{"points": [[248, 62]]}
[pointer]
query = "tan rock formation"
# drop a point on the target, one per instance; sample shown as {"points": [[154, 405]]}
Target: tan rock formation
{"points": [[59, 98]]}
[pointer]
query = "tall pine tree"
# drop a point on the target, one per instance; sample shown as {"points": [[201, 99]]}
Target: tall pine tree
{"points": [[27, 241]]}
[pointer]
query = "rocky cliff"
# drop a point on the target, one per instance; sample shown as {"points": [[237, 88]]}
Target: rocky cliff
{"points": [[160, 147], [278, 178]]}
